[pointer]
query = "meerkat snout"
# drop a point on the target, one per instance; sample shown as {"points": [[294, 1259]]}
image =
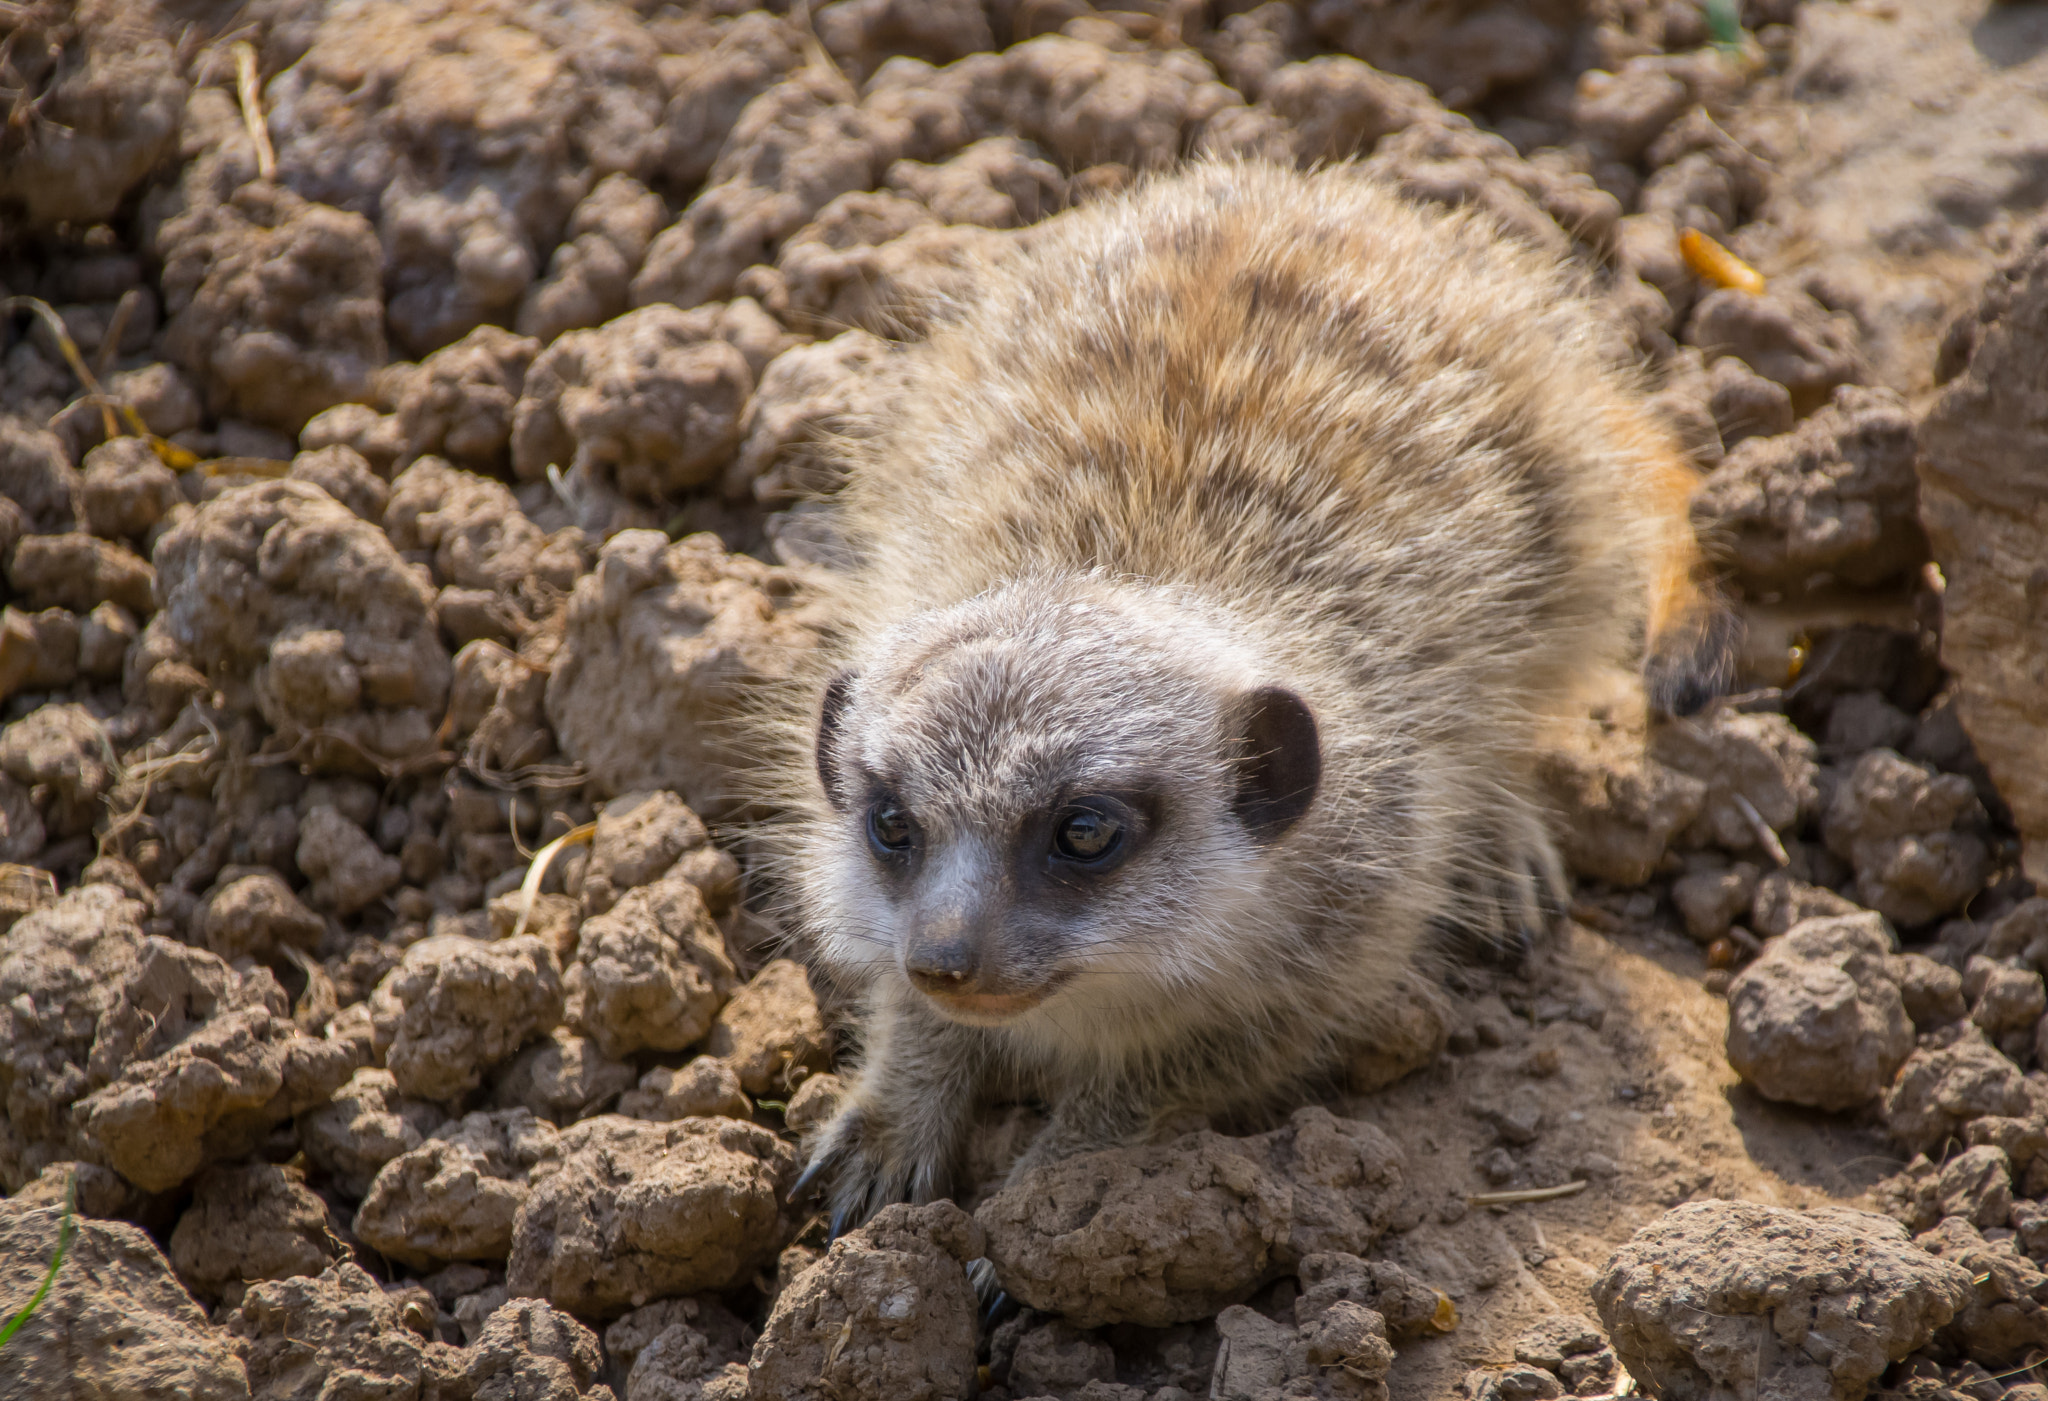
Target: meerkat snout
{"points": [[963, 937], [944, 955]]}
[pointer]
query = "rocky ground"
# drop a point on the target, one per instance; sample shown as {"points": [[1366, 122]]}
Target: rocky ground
{"points": [[429, 466]]}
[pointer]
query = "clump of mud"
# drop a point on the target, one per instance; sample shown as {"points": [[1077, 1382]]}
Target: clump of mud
{"points": [[411, 457]]}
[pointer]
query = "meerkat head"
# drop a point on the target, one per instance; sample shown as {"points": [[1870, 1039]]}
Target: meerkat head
{"points": [[1055, 788]]}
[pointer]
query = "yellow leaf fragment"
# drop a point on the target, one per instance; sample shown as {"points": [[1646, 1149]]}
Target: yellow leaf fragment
{"points": [[1710, 262]]}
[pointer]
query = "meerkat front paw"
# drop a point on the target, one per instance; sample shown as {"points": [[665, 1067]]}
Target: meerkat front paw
{"points": [[861, 1162], [1502, 903]]}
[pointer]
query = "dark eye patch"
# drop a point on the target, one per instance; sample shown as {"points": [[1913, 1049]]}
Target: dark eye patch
{"points": [[1086, 836]]}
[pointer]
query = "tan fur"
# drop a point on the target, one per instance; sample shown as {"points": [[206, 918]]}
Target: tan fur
{"points": [[1240, 427]]}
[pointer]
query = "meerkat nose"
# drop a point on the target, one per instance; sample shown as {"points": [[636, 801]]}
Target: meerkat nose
{"points": [[942, 965]]}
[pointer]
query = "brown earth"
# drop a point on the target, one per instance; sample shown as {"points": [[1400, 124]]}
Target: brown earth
{"points": [[293, 689]]}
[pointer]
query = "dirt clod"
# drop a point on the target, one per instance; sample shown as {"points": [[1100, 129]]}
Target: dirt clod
{"points": [[651, 972], [1836, 497], [705, 1086], [650, 404], [348, 869], [256, 916], [454, 1007], [889, 1311], [1819, 1018], [561, 1078], [770, 1032], [1911, 833], [622, 1211], [195, 1061], [276, 361], [664, 644], [77, 571], [61, 972], [364, 1126], [1340, 1354], [1788, 338], [1726, 1295], [125, 490], [639, 836], [106, 92], [116, 1323], [1982, 461], [456, 1196], [665, 1349], [1954, 1077], [250, 1222], [1161, 1235], [282, 587]]}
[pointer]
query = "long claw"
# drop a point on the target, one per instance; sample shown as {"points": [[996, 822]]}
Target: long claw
{"points": [[804, 1180], [839, 1219], [982, 1275], [999, 1311]]}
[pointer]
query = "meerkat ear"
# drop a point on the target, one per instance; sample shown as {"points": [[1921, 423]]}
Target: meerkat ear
{"points": [[837, 692], [1278, 761]]}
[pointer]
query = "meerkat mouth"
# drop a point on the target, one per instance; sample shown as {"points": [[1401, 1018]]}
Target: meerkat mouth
{"points": [[993, 1008]]}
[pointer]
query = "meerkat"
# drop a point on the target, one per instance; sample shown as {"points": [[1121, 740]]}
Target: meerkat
{"points": [[1207, 586]]}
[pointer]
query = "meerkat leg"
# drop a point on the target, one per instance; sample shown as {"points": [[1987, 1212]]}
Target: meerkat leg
{"points": [[1512, 893], [900, 1129], [1106, 1114], [1537, 889]]}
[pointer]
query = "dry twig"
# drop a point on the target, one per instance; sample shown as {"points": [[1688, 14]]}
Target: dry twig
{"points": [[249, 88], [1765, 837], [1526, 1194], [170, 454], [538, 871]]}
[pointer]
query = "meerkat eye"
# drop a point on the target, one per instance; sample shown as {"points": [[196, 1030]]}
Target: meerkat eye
{"points": [[1088, 834], [889, 828]]}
